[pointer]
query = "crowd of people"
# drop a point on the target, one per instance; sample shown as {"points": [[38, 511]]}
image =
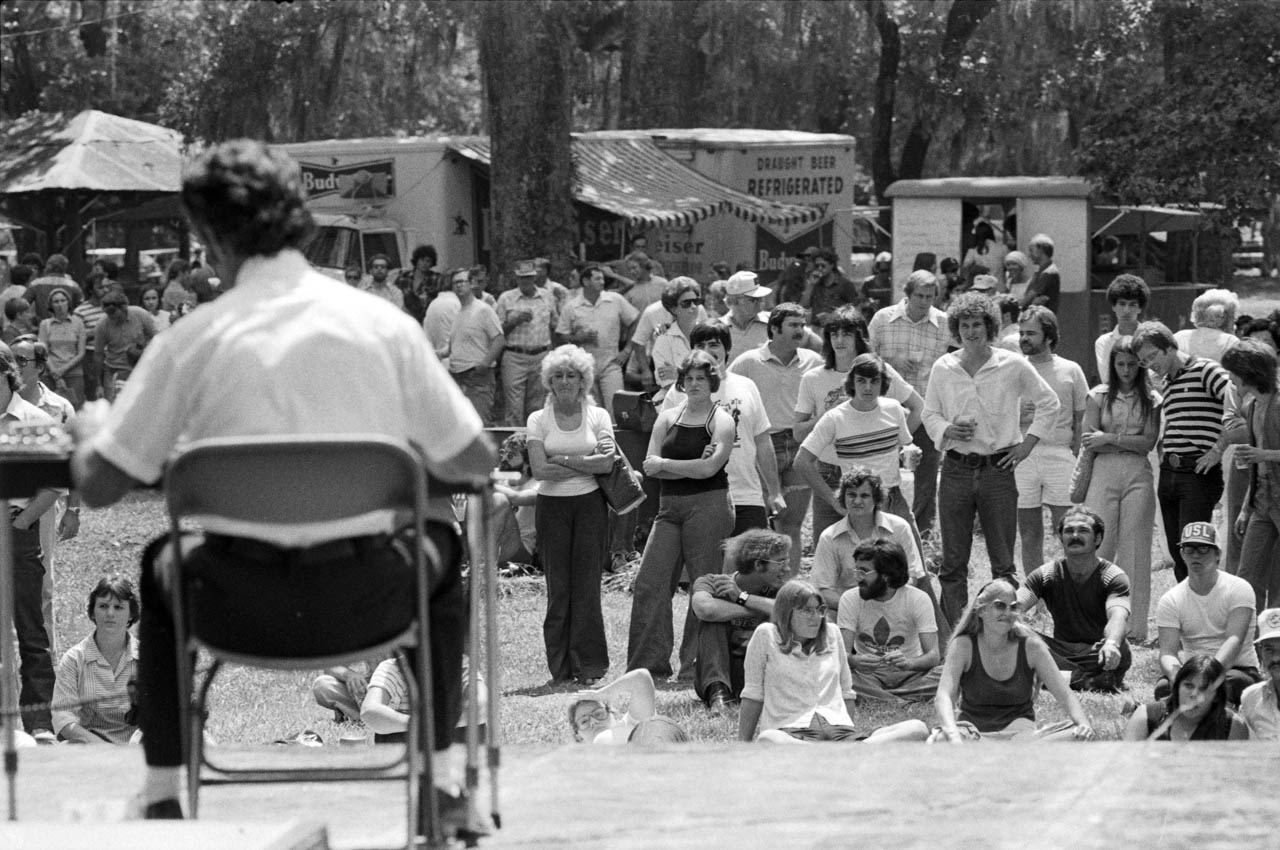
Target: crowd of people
{"points": [[769, 415]]}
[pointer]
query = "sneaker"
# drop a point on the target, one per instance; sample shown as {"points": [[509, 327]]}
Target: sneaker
{"points": [[718, 700], [44, 737]]}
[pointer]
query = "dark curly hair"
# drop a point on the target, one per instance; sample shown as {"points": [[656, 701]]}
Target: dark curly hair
{"points": [[250, 196]]}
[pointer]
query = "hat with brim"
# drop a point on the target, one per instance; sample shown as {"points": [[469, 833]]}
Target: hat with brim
{"points": [[1268, 625], [526, 268], [1199, 532], [984, 283], [745, 284]]}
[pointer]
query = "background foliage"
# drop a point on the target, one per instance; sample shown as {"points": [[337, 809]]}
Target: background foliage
{"points": [[1159, 100]]}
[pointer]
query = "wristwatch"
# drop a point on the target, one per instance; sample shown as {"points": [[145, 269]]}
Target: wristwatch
{"points": [[742, 598]]}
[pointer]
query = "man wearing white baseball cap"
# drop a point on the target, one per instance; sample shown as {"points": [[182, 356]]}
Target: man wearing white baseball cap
{"points": [[744, 296], [1260, 703], [1208, 612]]}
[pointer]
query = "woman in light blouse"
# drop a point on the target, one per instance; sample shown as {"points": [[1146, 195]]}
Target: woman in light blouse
{"points": [[1121, 423]]}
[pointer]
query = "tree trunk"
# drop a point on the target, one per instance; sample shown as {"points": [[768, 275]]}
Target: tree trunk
{"points": [[524, 54], [886, 93]]}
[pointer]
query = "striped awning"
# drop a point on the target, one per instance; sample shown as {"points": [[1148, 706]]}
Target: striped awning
{"points": [[633, 178]]}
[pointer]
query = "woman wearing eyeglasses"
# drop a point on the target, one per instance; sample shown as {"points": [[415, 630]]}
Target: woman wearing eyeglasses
{"points": [[797, 685], [991, 675], [682, 298]]}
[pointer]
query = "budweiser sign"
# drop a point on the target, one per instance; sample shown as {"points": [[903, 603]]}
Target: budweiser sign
{"points": [[372, 180]]}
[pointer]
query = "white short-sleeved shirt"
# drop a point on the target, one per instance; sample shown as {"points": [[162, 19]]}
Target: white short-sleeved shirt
{"points": [[287, 351], [849, 438], [1202, 620], [1261, 713], [778, 382], [823, 389], [1066, 378], [739, 397], [833, 554], [608, 317], [474, 329], [542, 427], [670, 349], [882, 627]]}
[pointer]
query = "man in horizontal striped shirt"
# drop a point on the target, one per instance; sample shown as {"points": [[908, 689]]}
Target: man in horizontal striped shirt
{"points": [[1197, 393]]}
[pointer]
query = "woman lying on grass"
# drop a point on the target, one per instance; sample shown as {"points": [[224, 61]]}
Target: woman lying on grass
{"points": [[1196, 709], [991, 668], [622, 712], [797, 684]]}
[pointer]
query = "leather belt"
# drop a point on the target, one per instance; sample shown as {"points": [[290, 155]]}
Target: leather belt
{"points": [[269, 553], [520, 349], [1180, 462], [976, 461]]}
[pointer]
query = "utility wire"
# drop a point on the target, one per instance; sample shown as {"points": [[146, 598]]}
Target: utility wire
{"points": [[76, 25]]}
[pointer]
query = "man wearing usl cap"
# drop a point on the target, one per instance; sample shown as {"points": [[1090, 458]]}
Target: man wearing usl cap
{"points": [[1209, 612], [1260, 703]]}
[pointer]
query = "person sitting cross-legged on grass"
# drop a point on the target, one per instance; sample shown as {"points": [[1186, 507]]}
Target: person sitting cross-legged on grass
{"points": [[991, 671], [514, 504], [1088, 598], [729, 605], [1195, 710], [341, 690], [889, 627], [91, 697], [623, 711], [798, 687]]}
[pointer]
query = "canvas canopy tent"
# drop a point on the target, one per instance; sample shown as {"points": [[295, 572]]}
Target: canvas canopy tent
{"points": [[58, 172]]}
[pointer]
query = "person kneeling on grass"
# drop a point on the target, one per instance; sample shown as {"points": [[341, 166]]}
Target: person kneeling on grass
{"points": [[991, 670], [622, 712], [92, 695], [1195, 710], [797, 683], [889, 627]]}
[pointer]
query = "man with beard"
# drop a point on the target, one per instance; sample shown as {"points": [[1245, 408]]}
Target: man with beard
{"points": [[1044, 478], [1260, 703], [729, 605], [513, 504], [377, 285], [1088, 598], [889, 628]]}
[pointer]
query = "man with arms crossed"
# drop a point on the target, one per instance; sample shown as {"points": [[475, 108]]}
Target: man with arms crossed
{"points": [[285, 351]]}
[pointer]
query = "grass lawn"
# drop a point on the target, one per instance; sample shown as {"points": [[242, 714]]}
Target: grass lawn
{"points": [[250, 706]]}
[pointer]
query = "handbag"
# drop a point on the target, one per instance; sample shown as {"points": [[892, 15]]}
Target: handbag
{"points": [[1081, 476], [621, 486], [634, 411]]}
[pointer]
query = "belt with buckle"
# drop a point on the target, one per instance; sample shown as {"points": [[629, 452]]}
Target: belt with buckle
{"points": [[976, 461], [1180, 462], [520, 349]]}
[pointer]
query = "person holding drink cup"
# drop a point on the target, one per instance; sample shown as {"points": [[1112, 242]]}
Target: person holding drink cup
{"points": [[597, 320], [528, 314], [971, 412]]}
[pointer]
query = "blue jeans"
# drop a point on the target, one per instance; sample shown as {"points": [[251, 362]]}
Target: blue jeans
{"points": [[687, 531], [991, 494]]}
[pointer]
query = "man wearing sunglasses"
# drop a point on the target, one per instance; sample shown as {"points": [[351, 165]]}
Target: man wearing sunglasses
{"points": [[1088, 599], [1209, 612], [832, 289]]}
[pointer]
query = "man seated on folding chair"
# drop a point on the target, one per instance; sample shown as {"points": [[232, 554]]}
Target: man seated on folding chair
{"points": [[284, 351]]}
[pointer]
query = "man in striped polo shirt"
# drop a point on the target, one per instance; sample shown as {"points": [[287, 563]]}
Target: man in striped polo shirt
{"points": [[1197, 393]]}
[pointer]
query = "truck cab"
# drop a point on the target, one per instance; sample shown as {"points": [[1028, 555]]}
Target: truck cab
{"points": [[343, 240]]}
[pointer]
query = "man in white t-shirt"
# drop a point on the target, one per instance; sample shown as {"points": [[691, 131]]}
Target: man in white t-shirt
{"points": [[475, 343], [752, 469], [889, 628], [1044, 478], [1209, 612]]}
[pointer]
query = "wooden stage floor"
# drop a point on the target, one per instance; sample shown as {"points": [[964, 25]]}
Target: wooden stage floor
{"points": [[1100, 795]]}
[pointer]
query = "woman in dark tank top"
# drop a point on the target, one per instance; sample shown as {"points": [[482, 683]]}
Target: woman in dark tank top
{"points": [[990, 671], [688, 451]]}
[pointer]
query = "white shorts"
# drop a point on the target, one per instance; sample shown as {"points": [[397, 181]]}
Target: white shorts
{"points": [[1044, 478]]}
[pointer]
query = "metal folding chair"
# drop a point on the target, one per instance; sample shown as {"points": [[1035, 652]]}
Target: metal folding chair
{"points": [[292, 481]]}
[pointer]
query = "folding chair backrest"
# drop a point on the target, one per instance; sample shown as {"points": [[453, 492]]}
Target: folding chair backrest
{"points": [[292, 479]]}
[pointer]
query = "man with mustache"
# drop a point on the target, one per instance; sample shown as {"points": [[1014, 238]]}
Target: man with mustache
{"points": [[1260, 703], [1088, 598]]}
